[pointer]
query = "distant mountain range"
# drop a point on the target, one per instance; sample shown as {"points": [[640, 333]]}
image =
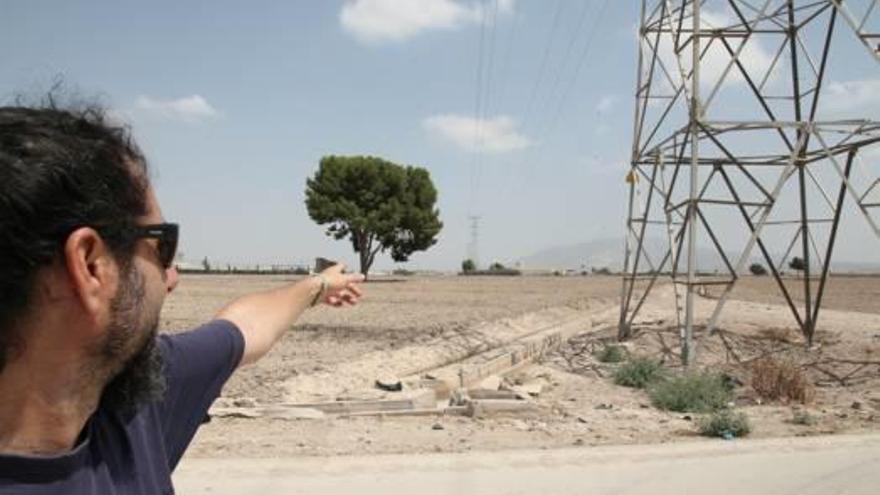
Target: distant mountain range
{"points": [[609, 253]]}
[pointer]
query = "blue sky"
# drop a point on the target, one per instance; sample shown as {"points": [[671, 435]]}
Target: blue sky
{"points": [[235, 103]]}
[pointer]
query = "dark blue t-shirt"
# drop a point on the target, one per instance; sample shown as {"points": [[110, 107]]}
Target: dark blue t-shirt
{"points": [[137, 454]]}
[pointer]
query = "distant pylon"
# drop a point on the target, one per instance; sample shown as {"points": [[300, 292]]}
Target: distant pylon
{"points": [[473, 250], [770, 165]]}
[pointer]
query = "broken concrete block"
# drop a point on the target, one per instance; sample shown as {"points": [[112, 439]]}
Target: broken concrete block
{"points": [[361, 395], [490, 383], [481, 394], [234, 412], [442, 390], [293, 413], [223, 402], [446, 411], [458, 398], [529, 389], [408, 400], [244, 402], [389, 383], [484, 408]]}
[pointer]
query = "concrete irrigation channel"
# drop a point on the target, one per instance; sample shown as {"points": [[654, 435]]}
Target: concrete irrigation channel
{"points": [[459, 374]]}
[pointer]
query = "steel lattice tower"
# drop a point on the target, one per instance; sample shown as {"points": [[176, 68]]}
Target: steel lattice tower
{"points": [[768, 171]]}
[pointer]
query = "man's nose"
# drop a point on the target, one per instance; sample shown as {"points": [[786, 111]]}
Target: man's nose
{"points": [[171, 278]]}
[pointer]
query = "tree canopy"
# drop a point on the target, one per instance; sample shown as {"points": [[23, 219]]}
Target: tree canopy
{"points": [[377, 204], [757, 269], [468, 266]]}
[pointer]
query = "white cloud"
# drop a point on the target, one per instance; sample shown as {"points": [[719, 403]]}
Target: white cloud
{"points": [[852, 99], [505, 6], [375, 21], [755, 58], [496, 135], [189, 109]]}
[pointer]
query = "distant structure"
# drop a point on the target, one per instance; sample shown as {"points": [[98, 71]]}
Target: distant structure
{"points": [[473, 250], [773, 163]]}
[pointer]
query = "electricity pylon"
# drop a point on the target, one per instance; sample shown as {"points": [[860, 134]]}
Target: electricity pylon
{"points": [[741, 149]]}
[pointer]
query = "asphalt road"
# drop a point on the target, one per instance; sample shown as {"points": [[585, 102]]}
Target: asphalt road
{"points": [[802, 466]]}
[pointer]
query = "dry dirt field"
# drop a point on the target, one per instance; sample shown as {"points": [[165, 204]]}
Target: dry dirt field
{"points": [[408, 325], [847, 293]]}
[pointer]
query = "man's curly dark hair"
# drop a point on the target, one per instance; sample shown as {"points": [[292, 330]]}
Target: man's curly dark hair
{"points": [[60, 169]]}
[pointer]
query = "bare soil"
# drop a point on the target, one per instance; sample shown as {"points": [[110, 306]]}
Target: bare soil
{"points": [[579, 404]]}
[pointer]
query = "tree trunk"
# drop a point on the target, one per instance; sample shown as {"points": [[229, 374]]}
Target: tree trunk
{"points": [[364, 248]]}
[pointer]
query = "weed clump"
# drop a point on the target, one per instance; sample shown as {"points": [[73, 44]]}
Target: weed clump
{"points": [[611, 354], [639, 372], [784, 380], [804, 418], [724, 423], [701, 391]]}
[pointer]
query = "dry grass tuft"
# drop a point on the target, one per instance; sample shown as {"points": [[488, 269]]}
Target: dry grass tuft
{"points": [[775, 379], [781, 335]]}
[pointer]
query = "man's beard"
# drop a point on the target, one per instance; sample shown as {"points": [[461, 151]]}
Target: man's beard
{"points": [[130, 350]]}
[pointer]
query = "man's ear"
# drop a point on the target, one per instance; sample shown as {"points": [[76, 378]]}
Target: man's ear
{"points": [[91, 270]]}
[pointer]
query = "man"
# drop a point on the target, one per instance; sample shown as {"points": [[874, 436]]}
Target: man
{"points": [[91, 399]]}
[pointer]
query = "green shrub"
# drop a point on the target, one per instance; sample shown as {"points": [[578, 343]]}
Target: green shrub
{"points": [[468, 266], [639, 372], [724, 424], [611, 354], [758, 269], [804, 418], [692, 392]]}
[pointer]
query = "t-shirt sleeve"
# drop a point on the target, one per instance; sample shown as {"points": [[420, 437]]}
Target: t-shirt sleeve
{"points": [[197, 364]]}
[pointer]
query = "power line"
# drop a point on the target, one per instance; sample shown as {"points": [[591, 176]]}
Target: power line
{"points": [[477, 104], [505, 64], [483, 109], [584, 52], [542, 68], [583, 57], [568, 50], [490, 69]]}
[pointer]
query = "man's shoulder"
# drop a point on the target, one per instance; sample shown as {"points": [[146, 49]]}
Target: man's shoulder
{"points": [[209, 330], [197, 365], [195, 358]]}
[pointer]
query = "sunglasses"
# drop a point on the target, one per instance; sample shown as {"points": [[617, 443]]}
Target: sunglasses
{"points": [[167, 235]]}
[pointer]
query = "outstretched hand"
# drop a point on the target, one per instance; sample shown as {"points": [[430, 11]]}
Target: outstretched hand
{"points": [[342, 288]]}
